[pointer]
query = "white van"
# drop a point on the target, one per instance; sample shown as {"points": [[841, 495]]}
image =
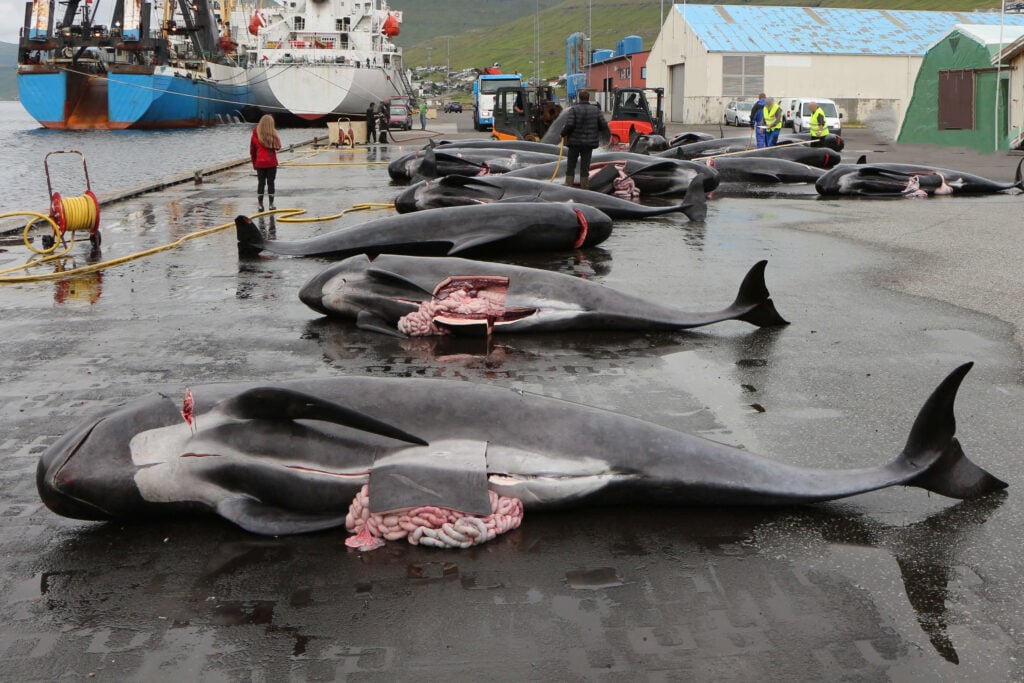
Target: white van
{"points": [[798, 114]]}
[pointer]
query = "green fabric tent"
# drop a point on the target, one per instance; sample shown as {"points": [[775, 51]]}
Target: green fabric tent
{"points": [[954, 100]]}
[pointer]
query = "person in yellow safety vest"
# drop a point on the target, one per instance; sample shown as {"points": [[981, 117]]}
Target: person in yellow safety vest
{"points": [[819, 128], [772, 122]]}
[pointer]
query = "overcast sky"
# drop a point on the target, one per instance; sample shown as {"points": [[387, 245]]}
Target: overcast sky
{"points": [[12, 16], [12, 13]]}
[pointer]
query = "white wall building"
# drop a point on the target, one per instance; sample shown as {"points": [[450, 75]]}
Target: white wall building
{"points": [[865, 60]]}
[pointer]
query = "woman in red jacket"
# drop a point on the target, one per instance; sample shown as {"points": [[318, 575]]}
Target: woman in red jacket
{"points": [[263, 150]]}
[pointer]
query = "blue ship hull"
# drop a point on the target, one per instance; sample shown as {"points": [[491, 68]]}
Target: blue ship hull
{"points": [[135, 98]]}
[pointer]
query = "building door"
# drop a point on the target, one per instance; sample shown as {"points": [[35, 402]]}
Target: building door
{"points": [[676, 80]]}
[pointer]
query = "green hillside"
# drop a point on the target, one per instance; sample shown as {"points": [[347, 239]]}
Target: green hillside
{"points": [[477, 33]]}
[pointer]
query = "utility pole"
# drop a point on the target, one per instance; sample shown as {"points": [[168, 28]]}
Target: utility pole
{"points": [[536, 43]]}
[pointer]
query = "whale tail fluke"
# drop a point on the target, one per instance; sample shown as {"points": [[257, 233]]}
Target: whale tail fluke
{"points": [[754, 295], [695, 203], [250, 241], [932, 444]]}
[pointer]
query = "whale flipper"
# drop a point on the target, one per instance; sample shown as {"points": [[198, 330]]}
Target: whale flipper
{"points": [[250, 241], [374, 323], [275, 403], [268, 520], [695, 203]]}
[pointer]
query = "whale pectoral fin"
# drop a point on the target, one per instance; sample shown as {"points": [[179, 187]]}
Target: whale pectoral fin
{"points": [[250, 241], [461, 181], [383, 274], [374, 323], [275, 403], [695, 203], [477, 240], [259, 518], [521, 198], [602, 180]]}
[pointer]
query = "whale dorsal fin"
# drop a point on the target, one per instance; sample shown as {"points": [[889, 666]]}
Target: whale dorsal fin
{"points": [[276, 403]]}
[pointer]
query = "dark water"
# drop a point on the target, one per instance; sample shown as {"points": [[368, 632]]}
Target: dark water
{"points": [[114, 159]]}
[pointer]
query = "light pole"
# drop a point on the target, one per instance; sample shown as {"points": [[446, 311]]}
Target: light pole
{"points": [[536, 43]]}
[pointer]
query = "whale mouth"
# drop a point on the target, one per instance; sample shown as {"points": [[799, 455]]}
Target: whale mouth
{"points": [[464, 303], [54, 483]]}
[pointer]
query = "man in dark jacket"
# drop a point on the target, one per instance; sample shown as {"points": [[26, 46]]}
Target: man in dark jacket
{"points": [[584, 128]]}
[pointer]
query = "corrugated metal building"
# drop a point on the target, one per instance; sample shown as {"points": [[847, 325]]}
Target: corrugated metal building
{"points": [[865, 60], [961, 96]]}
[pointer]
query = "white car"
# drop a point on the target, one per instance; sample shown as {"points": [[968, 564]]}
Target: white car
{"points": [[737, 113], [800, 120]]}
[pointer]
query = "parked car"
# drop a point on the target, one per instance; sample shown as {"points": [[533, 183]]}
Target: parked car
{"points": [[453, 107], [737, 113], [800, 121], [399, 118]]}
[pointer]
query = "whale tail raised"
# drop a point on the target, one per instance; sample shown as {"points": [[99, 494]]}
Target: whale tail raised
{"points": [[933, 446], [754, 295], [250, 240]]}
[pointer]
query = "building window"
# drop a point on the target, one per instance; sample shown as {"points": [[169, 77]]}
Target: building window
{"points": [[956, 100], [742, 75], [299, 24]]}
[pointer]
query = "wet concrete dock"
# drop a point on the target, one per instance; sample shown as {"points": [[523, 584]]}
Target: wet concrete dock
{"points": [[885, 298]]}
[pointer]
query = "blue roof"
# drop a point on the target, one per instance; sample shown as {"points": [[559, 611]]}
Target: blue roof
{"points": [[821, 30]]}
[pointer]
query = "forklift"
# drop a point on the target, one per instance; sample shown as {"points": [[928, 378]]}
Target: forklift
{"points": [[524, 113], [631, 115]]}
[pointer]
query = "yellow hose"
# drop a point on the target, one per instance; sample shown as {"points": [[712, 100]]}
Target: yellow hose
{"points": [[558, 164], [284, 216]]}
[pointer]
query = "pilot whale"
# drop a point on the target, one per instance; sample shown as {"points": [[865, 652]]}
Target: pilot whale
{"points": [[457, 190], [289, 457], [652, 175], [896, 180], [505, 227], [423, 296]]}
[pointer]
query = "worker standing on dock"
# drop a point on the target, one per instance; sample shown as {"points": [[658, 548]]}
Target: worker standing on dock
{"points": [[584, 127], [263, 148]]}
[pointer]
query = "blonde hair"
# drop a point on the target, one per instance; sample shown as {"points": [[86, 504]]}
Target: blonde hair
{"points": [[266, 133]]}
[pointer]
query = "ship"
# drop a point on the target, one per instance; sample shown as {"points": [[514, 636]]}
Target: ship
{"points": [[314, 61], [77, 74]]}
